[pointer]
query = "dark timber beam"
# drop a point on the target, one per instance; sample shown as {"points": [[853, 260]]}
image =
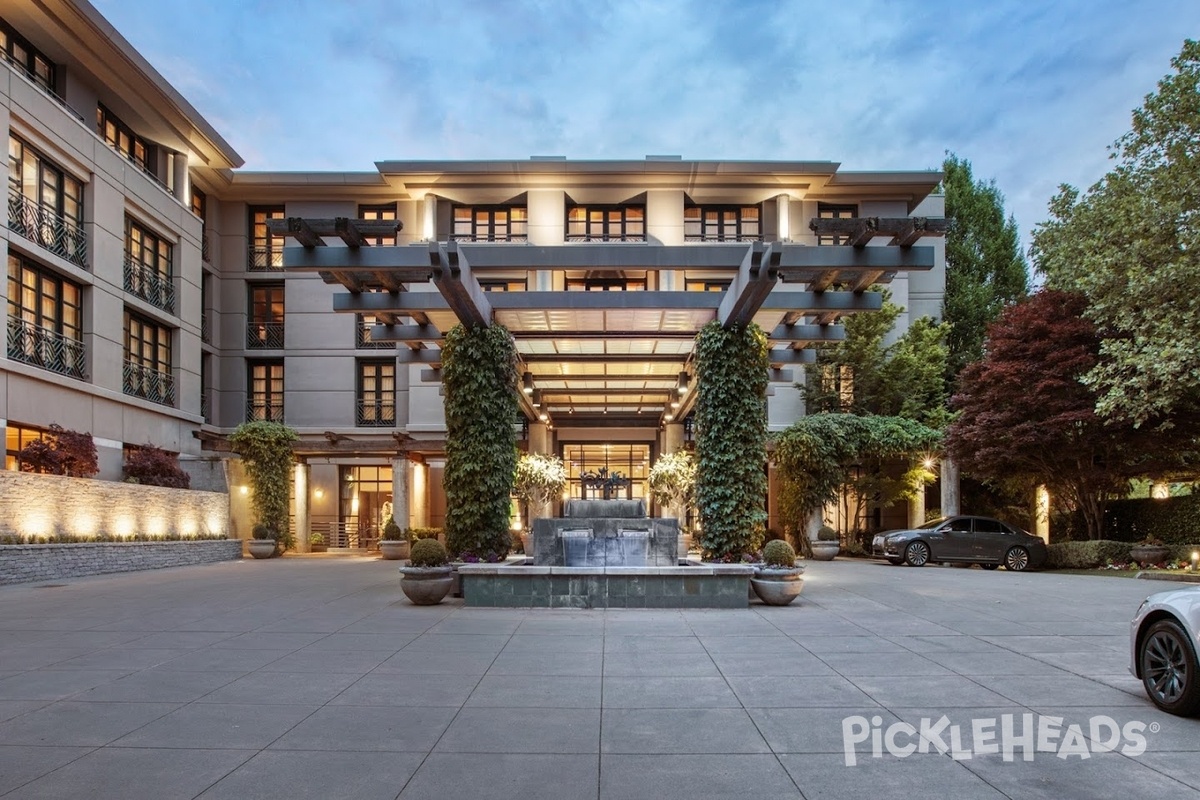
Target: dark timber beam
{"points": [[756, 277], [388, 281], [303, 233], [428, 356], [807, 333], [790, 356], [867, 229], [800, 263], [780, 376], [607, 255], [814, 302], [329, 227], [405, 333], [349, 232], [452, 275], [899, 228], [382, 303], [865, 280], [407, 263], [599, 358]]}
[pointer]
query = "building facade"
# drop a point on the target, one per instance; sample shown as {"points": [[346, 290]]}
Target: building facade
{"points": [[158, 294]]}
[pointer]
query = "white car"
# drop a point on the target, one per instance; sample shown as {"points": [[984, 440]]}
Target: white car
{"points": [[1163, 641]]}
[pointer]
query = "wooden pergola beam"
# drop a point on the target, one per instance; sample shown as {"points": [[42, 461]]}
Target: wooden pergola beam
{"points": [[860, 230], [302, 232], [347, 229], [866, 280], [453, 278], [329, 227]]}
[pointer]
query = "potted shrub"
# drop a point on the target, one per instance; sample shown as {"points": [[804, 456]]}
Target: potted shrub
{"points": [[426, 580], [1150, 550], [537, 479], [394, 544], [778, 581], [317, 542], [826, 547], [265, 541]]}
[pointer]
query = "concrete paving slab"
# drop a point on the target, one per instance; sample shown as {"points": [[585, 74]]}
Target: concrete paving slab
{"points": [[643, 664], [367, 729], [20, 764], [544, 691], [81, 724], [1101, 775], [282, 688], [395, 689], [523, 730], [668, 692], [712, 777], [506, 776], [158, 685], [282, 775], [217, 725], [832, 690], [676, 730], [826, 776]]}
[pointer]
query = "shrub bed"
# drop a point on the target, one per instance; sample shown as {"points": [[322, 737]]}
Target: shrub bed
{"points": [[1085, 555]]}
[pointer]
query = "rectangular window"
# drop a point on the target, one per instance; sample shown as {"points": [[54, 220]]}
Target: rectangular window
{"points": [[45, 203], [266, 251], [16, 436], [503, 284], [386, 211], [600, 281], [121, 138], [148, 273], [264, 394], [692, 284], [722, 224], [828, 211], [376, 393], [206, 387], [148, 360], [606, 224], [45, 319], [264, 324], [27, 59], [491, 224], [200, 209]]}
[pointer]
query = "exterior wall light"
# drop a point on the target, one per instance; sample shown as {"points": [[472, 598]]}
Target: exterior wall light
{"points": [[537, 398], [527, 383], [684, 380]]}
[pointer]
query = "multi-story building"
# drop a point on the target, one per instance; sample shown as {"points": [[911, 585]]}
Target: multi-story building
{"points": [[158, 294]]}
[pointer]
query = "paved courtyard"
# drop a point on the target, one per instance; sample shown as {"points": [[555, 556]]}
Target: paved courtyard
{"points": [[308, 677]]}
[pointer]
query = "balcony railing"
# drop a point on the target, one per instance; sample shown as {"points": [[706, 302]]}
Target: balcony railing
{"points": [[364, 341], [206, 246], [45, 348], [259, 409], [206, 405], [205, 327], [600, 237], [149, 284], [24, 72], [471, 237], [47, 228], [264, 259], [149, 384], [264, 335], [713, 237], [380, 413]]}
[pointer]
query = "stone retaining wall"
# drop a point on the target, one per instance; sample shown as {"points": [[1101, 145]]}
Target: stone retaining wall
{"points": [[20, 563]]}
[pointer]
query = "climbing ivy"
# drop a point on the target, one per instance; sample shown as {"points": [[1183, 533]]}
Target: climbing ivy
{"points": [[266, 451], [479, 378], [731, 438]]}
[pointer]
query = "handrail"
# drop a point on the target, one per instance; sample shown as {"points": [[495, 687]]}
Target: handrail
{"points": [[46, 348], [47, 228], [149, 284]]}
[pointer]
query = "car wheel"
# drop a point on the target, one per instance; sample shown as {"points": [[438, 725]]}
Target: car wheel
{"points": [[989, 566], [1016, 559], [1168, 665], [917, 554]]}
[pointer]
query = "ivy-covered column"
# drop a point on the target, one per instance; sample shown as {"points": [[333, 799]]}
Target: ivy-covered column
{"points": [[731, 438], [479, 379]]}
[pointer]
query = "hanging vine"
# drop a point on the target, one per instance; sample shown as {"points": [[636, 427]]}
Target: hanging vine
{"points": [[731, 438], [479, 377], [266, 451]]}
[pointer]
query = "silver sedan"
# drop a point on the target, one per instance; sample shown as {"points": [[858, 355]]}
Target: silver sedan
{"points": [[1162, 649]]}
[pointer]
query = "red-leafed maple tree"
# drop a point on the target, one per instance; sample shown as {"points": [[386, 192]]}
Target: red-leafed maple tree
{"points": [[1027, 418]]}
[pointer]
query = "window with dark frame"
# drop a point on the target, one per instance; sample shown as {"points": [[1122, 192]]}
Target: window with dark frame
{"points": [[829, 211], [606, 224], [16, 436], [16, 50], [376, 392], [607, 282], [148, 360], [491, 224], [386, 211], [121, 138], [148, 272], [722, 224], [45, 318], [45, 203], [264, 394], [200, 209], [265, 316], [266, 251]]}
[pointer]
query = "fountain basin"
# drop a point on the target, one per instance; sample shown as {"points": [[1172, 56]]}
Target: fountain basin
{"points": [[522, 584]]}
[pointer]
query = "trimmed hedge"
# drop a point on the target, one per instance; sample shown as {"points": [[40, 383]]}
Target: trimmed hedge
{"points": [[1085, 555], [1175, 520]]}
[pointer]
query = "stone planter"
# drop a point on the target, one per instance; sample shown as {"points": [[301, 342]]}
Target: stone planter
{"points": [[262, 548], [1149, 553], [825, 551], [393, 549], [527, 543], [685, 544], [425, 586], [777, 587]]}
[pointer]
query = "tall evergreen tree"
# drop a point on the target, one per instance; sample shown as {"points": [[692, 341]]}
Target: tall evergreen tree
{"points": [[985, 269]]}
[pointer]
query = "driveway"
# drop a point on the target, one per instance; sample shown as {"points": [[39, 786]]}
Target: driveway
{"points": [[307, 677]]}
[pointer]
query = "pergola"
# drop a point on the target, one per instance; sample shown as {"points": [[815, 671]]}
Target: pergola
{"points": [[608, 357]]}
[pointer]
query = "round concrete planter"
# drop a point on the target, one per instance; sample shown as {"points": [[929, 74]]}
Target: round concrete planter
{"points": [[262, 548], [425, 586], [1149, 553], [778, 587], [825, 551], [393, 549]]}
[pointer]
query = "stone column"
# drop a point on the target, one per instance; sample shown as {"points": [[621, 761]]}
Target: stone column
{"points": [[400, 470], [300, 475], [783, 206], [429, 222], [673, 439], [950, 496], [1041, 513], [179, 165], [916, 507]]}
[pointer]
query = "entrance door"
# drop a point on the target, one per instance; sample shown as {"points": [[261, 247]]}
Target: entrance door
{"points": [[598, 471], [365, 506]]}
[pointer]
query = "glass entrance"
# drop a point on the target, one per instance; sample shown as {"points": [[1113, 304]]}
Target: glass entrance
{"points": [[607, 471], [365, 506]]}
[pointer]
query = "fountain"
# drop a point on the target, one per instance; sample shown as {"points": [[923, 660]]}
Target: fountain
{"points": [[606, 533]]}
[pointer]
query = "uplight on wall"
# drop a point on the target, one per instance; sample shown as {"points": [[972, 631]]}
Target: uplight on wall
{"points": [[244, 490]]}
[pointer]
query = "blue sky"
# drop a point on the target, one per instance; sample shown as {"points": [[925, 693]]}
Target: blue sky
{"points": [[1031, 92]]}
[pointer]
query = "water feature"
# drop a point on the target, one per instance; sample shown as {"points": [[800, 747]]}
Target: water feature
{"points": [[606, 533]]}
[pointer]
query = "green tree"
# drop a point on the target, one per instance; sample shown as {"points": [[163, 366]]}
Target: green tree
{"points": [[985, 269], [1131, 245], [864, 374]]}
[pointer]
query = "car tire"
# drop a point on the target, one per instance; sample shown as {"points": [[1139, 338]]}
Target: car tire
{"points": [[1169, 671], [916, 554], [990, 566], [1016, 559]]}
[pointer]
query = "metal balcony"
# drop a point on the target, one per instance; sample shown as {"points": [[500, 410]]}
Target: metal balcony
{"points": [[149, 284], [264, 259], [259, 409], [264, 335], [149, 384], [45, 348], [47, 228], [376, 413]]}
